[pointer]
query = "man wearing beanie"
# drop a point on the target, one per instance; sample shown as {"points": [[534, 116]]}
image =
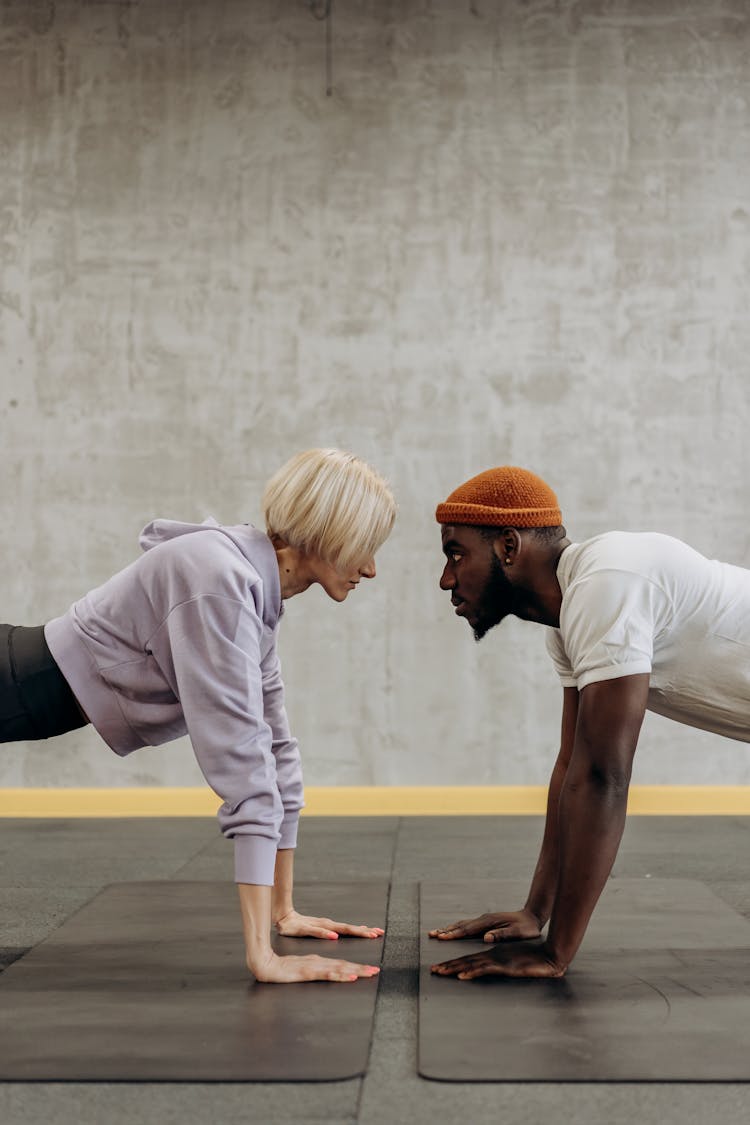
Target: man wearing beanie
{"points": [[635, 621]]}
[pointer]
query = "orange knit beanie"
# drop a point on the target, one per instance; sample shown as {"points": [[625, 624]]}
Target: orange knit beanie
{"points": [[504, 497]]}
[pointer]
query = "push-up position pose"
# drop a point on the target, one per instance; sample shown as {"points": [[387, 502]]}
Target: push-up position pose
{"points": [[184, 641], [636, 621]]}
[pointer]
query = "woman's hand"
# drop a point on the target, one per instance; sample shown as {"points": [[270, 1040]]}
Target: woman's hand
{"points": [[273, 969], [513, 925], [293, 924]]}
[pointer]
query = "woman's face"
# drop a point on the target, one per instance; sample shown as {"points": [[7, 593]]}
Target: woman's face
{"points": [[338, 583]]}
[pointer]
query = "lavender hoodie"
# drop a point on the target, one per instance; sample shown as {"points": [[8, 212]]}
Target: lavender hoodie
{"points": [[184, 641]]}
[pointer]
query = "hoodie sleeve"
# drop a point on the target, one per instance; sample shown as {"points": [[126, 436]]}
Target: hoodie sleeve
{"points": [[209, 648], [285, 748]]}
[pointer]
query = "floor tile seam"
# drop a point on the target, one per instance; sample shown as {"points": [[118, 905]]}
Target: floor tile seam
{"points": [[96, 889], [379, 998], [379, 1001], [192, 858]]}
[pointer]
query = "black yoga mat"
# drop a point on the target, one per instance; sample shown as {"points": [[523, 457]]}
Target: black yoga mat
{"points": [[659, 991], [147, 982]]}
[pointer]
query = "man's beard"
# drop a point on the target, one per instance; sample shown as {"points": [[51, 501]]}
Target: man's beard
{"points": [[495, 602]]}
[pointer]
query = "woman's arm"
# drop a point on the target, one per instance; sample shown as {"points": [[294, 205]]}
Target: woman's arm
{"points": [[267, 966], [289, 923], [289, 781], [209, 648]]}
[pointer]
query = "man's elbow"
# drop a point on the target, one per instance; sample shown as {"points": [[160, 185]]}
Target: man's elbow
{"points": [[607, 776], [612, 779]]}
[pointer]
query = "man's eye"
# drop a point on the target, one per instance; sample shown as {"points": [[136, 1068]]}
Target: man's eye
{"points": [[455, 556]]}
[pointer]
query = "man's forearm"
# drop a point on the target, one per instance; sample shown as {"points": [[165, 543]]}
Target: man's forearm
{"points": [[592, 815], [541, 897]]}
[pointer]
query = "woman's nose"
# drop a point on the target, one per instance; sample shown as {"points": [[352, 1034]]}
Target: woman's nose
{"points": [[368, 570]]}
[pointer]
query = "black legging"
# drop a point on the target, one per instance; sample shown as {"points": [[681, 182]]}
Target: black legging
{"points": [[35, 699]]}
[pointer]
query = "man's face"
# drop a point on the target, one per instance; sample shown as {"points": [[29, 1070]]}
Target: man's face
{"points": [[479, 588]]}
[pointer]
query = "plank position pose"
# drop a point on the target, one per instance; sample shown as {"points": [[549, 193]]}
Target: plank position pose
{"points": [[184, 641], [635, 622]]}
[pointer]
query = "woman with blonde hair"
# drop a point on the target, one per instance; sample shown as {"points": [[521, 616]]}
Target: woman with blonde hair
{"points": [[183, 640]]}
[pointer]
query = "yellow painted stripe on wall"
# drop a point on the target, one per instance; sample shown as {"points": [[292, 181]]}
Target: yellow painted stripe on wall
{"points": [[375, 800]]}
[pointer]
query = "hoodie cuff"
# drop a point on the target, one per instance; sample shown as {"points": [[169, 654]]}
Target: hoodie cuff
{"points": [[289, 828], [254, 860]]}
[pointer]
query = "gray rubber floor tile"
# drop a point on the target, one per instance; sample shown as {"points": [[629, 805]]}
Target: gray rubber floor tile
{"points": [[451, 863], [327, 858], [48, 852], [163, 1104], [736, 893], [348, 825], [360, 847], [689, 847], [29, 914], [501, 829], [208, 866]]}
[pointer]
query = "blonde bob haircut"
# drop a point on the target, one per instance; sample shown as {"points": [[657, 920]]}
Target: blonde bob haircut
{"points": [[331, 504]]}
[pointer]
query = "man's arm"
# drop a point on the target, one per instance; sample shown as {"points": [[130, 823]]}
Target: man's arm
{"points": [[593, 804], [591, 817], [517, 925], [541, 897]]}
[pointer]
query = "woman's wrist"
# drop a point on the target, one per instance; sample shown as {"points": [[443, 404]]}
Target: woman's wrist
{"points": [[259, 958], [280, 908], [255, 907], [283, 885]]}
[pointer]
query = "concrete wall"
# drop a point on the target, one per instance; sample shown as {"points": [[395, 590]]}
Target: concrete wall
{"points": [[515, 232]]}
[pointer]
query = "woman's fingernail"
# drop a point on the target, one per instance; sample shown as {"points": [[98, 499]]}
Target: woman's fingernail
{"points": [[353, 976], [332, 936]]}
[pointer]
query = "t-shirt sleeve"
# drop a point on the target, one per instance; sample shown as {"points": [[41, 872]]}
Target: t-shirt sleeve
{"points": [[608, 623], [559, 658]]}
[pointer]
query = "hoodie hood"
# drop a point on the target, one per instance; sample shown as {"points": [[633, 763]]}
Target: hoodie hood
{"points": [[253, 543], [159, 531]]}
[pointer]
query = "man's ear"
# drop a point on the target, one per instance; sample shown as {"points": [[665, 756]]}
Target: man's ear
{"points": [[507, 545]]}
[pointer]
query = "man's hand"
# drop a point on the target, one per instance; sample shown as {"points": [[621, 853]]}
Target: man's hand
{"points": [[272, 969], [293, 924], [514, 925], [534, 962]]}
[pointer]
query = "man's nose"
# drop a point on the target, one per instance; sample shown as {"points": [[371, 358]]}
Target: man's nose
{"points": [[447, 580]]}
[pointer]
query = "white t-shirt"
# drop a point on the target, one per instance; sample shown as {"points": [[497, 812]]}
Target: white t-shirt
{"points": [[642, 602]]}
